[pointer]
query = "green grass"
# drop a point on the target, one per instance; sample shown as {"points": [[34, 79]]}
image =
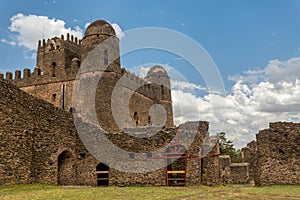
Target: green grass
{"points": [[40, 191]]}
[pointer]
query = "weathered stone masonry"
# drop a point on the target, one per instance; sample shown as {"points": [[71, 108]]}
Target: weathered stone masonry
{"points": [[39, 144], [39, 141], [278, 154]]}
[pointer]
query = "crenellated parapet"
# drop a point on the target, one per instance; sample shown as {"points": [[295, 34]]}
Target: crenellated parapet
{"points": [[28, 78], [42, 44], [144, 86]]}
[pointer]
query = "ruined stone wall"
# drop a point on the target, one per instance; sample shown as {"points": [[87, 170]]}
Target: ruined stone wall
{"points": [[225, 171], [146, 148], [210, 173], [239, 173], [278, 153], [198, 131], [249, 155], [210, 170]]}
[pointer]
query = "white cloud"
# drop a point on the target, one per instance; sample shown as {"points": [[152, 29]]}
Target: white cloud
{"points": [[120, 34], [183, 85], [28, 29], [86, 25], [12, 43], [258, 97], [277, 71]]}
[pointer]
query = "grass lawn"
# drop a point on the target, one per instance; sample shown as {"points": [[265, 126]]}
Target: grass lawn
{"points": [[39, 191]]}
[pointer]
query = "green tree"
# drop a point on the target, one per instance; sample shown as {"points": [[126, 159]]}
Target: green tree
{"points": [[227, 148]]}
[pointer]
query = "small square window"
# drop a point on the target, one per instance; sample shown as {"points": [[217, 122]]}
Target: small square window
{"points": [[149, 154], [131, 155]]}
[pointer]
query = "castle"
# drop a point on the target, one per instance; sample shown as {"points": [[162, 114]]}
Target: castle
{"points": [[58, 62], [45, 142], [39, 142]]}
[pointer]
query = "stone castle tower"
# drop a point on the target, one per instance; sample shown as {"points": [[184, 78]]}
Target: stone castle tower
{"points": [[140, 101]]}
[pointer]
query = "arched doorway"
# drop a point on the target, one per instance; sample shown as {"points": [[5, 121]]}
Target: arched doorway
{"points": [[102, 172], [66, 172], [176, 165]]}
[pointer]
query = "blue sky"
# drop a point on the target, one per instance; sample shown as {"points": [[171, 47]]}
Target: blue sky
{"points": [[239, 35], [253, 43]]}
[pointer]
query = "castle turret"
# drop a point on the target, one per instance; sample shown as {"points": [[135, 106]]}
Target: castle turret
{"points": [[158, 75], [102, 35], [159, 79], [54, 57], [100, 70]]}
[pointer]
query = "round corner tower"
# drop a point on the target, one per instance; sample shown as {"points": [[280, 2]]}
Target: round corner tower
{"points": [[158, 77], [101, 35], [99, 73]]}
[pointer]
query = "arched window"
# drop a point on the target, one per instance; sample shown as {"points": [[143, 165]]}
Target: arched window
{"points": [[149, 120], [53, 68], [136, 118], [102, 172], [105, 57]]}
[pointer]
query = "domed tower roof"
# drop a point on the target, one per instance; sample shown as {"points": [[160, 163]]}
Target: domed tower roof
{"points": [[99, 27], [157, 71], [158, 75]]}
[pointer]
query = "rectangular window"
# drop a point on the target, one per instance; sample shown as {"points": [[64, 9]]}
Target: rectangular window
{"points": [[53, 97]]}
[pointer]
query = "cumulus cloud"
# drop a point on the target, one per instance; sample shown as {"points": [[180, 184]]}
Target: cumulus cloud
{"points": [[28, 29], [277, 71], [257, 97]]}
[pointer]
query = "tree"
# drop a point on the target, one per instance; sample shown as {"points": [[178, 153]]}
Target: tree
{"points": [[227, 148]]}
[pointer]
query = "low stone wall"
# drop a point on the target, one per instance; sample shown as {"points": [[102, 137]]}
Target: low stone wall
{"points": [[225, 171], [249, 155], [210, 173], [239, 173]]}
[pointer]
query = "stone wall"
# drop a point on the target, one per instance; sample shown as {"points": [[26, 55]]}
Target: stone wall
{"points": [[34, 134], [278, 153], [225, 171], [239, 173], [210, 164], [39, 144], [249, 155], [139, 142]]}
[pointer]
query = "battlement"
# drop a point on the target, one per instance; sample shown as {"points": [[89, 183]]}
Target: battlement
{"points": [[146, 87], [69, 38], [17, 76], [28, 78]]}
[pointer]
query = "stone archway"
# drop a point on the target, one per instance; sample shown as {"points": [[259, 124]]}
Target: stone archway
{"points": [[66, 168]]}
